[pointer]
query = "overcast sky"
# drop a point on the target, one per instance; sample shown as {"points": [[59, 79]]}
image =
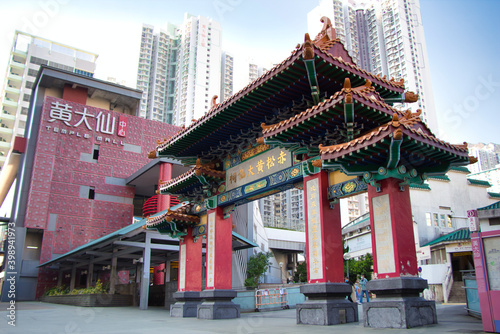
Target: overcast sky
{"points": [[462, 43]]}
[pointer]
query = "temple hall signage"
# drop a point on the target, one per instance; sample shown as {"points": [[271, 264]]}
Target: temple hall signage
{"points": [[258, 167], [102, 122]]}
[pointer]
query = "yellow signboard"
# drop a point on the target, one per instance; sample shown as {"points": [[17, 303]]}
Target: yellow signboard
{"points": [[258, 167]]}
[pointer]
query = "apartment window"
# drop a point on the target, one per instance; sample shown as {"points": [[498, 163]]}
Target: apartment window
{"points": [[442, 221], [435, 219], [85, 73], [95, 154], [32, 72], [38, 61], [91, 192], [448, 221], [29, 84], [26, 97], [428, 218], [61, 66]]}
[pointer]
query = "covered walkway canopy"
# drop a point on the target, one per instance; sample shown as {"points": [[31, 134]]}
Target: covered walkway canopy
{"points": [[126, 249]]}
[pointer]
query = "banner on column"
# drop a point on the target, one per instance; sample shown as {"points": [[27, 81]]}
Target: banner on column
{"points": [[314, 242], [182, 268], [211, 250], [384, 245]]}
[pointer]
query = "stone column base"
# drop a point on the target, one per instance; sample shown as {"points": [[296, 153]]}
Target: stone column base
{"points": [[326, 305], [186, 305], [217, 304], [398, 304]]}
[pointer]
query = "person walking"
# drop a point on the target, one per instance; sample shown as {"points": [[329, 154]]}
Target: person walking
{"points": [[362, 284], [358, 291], [346, 280]]}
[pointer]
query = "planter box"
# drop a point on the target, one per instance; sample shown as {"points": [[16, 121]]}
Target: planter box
{"points": [[99, 300]]}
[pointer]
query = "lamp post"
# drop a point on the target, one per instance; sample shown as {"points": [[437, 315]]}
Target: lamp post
{"points": [[281, 272], [347, 256]]}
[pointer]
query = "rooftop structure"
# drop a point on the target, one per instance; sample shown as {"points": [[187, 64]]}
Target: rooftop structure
{"points": [[28, 52]]}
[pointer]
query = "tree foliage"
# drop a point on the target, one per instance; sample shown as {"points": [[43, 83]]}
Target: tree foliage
{"points": [[301, 274], [257, 266], [363, 266]]}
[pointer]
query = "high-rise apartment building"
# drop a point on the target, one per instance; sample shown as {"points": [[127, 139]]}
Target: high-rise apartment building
{"points": [[385, 37], [157, 72], [199, 68], [284, 210], [227, 76], [255, 71], [28, 52], [488, 156], [181, 68]]}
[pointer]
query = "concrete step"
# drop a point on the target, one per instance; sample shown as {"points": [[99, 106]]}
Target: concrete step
{"points": [[457, 293]]}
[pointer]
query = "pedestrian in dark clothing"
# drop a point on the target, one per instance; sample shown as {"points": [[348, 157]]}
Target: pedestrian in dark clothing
{"points": [[349, 298]]}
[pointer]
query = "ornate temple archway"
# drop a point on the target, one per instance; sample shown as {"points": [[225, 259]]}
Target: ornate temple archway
{"points": [[319, 122]]}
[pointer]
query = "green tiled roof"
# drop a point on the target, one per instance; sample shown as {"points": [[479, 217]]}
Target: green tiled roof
{"points": [[361, 219], [439, 177], [424, 186], [491, 206], [494, 195], [479, 182], [458, 235], [460, 169], [115, 234]]}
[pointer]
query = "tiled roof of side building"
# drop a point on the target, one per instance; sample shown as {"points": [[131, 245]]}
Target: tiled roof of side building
{"points": [[462, 234], [423, 186], [439, 177], [461, 169], [479, 182], [490, 207]]}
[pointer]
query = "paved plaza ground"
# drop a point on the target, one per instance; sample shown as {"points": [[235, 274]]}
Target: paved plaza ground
{"points": [[37, 317]]}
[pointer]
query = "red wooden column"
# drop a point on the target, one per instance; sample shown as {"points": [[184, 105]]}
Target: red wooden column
{"points": [[323, 232], [165, 175], [219, 251], [391, 223], [190, 263], [217, 295]]}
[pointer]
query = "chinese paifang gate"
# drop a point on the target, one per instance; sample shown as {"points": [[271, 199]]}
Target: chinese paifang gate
{"points": [[317, 122]]}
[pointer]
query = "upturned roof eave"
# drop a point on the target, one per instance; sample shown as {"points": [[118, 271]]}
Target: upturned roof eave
{"points": [[357, 145], [303, 118], [191, 135]]}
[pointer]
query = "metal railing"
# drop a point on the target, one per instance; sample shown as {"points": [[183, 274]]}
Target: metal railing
{"points": [[447, 284], [265, 297]]}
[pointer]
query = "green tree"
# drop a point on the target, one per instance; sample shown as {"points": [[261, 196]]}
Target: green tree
{"points": [[361, 266], [257, 266], [301, 274]]}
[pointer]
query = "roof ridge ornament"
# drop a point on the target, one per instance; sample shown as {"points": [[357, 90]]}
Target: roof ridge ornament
{"points": [[411, 97], [327, 32], [409, 119], [307, 51], [213, 102]]}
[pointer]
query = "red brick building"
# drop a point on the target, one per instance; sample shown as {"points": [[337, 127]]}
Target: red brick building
{"points": [[83, 141]]}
